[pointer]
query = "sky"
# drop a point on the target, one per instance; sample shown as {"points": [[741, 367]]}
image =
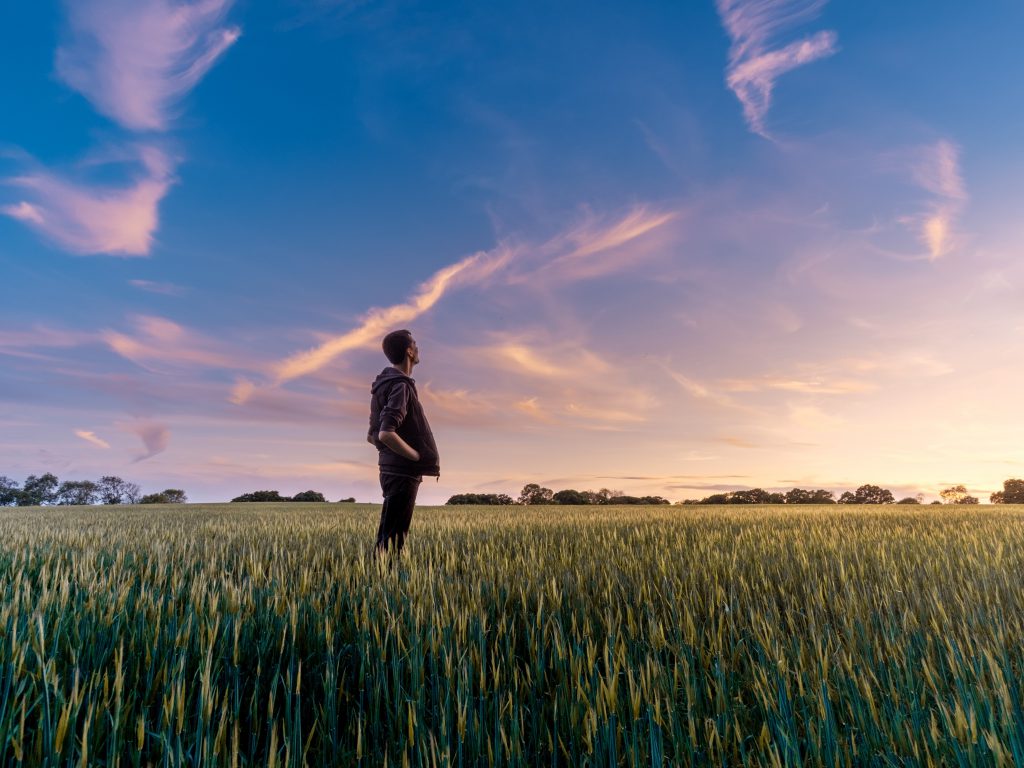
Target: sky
{"points": [[662, 248]]}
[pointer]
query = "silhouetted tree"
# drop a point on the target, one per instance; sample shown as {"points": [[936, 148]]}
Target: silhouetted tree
{"points": [[76, 492], [534, 494], [868, 494], [349, 500], [168, 496], [9, 491], [755, 496], [802, 496], [309, 496], [909, 500], [39, 490], [261, 496], [1012, 493], [716, 498], [481, 499], [113, 490], [569, 496], [955, 495]]}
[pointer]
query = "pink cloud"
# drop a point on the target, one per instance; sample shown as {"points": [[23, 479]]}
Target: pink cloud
{"points": [[936, 169], [598, 246], [95, 219], [753, 66], [158, 341], [136, 59], [155, 438], [90, 437], [470, 270]]}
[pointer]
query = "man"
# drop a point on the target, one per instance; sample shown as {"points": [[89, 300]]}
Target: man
{"points": [[399, 429]]}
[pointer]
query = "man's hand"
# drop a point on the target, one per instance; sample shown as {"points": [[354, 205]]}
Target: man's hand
{"points": [[398, 445]]}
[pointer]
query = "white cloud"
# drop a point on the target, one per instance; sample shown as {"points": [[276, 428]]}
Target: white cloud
{"points": [[754, 67], [136, 59]]}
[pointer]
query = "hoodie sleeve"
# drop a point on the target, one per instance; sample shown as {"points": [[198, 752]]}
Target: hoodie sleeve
{"points": [[393, 413]]}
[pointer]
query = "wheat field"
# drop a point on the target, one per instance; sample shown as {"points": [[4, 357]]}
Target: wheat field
{"points": [[514, 636]]}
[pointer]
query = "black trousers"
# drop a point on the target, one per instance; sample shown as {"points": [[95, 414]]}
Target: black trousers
{"points": [[396, 514]]}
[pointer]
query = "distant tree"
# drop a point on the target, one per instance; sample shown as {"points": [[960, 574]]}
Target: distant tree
{"points": [[755, 496], [934, 503], [534, 494], [569, 496], [153, 498], [77, 492], [39, 490], [802, 496], [113, 490], [638, 500], [1012, 493], [309, 496], [868, 494], [9, 491], [716, 498], [349, 500], [261, 496], [481, 499], [954, 495], [175, 496], [909, 500]]}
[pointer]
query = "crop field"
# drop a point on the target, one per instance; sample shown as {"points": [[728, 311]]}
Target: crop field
{"points": [[527, 636]]}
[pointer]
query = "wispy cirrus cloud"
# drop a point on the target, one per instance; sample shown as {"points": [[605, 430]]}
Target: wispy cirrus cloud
{"points": [[754, 66], [935, 168], [163, 289], [134, 60], [598, 246], [90, 437], [91, 218], [378, 321], [157, 341]]}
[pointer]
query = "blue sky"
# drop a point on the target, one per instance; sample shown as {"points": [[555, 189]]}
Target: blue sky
{"points": [[664, 248]]}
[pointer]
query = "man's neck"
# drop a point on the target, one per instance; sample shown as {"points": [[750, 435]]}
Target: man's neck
{"points": [[405, 367]]}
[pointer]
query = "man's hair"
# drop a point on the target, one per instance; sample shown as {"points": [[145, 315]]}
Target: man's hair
{"points": [[395, 344]]}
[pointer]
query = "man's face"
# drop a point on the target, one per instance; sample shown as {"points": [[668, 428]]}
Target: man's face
{"points": [[413, 352]]}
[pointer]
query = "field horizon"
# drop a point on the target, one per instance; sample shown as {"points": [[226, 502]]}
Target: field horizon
{"points": [[235, 634]]}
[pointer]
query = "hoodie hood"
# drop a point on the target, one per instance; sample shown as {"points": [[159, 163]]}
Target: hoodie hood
{"points": [[387, 376]]}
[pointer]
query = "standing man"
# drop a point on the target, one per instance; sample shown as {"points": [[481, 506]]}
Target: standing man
{"points": [[399, 429]]}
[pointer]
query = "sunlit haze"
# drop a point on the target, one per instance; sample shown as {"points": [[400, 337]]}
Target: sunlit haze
{"points": [[663, 248]]}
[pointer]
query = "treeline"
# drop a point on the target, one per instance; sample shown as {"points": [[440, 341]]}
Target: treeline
{"points": [[47, 489], [1012, 493], [276, 496], [533, 493]]}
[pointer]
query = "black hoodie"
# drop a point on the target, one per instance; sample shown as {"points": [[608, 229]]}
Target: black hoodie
{"points": [[395, 407]]}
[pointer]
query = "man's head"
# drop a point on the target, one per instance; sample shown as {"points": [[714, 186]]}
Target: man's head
{"points": [[400, 346]]}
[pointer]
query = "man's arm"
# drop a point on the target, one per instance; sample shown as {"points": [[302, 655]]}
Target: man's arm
{"points": [[393, 441]]}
